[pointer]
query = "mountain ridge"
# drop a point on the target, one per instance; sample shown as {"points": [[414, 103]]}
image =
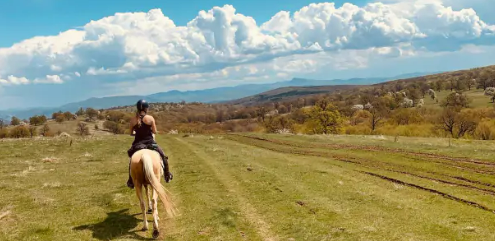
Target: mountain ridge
{"points": [[211, 95]]}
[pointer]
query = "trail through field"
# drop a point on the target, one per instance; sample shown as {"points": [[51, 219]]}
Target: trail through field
{"points": [[248, 187]]}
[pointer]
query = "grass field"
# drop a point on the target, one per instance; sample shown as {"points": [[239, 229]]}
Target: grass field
{"points": [[254, 187], [477, 97]]}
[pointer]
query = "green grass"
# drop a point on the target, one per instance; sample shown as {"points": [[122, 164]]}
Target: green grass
{"points": [[253, 187], [478, 99]]}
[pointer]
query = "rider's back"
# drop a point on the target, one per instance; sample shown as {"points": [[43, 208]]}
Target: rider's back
{"points": [[143, 131]]}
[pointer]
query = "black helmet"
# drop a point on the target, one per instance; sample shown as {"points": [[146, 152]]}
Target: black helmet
{"points": [[142, 104]]}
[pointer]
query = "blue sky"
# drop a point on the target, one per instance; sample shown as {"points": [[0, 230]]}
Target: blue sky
{"points": [[103, 48]]}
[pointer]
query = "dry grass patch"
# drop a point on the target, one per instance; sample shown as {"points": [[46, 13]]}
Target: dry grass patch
{"points": [[50, 160]]}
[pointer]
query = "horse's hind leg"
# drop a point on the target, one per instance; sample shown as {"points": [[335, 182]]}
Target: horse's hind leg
{"points": [[150, 205], [142, 205], [156, 233]]}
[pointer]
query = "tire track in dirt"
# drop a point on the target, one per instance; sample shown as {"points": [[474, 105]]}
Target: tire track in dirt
{"points": [[347, 159], [473, 181], [376, 148], [355, 161], [445, 195], [248, 211]]}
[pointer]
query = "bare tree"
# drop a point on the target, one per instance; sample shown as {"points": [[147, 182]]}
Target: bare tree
{"points": [[448, 121], [32, 131], [82, 129], [44, 130]]}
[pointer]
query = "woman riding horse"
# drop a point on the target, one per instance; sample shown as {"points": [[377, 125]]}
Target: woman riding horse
{"points": [[143, 128]]}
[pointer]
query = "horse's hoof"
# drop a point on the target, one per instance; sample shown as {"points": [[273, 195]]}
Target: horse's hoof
{"points": [[156, 233], [144, 229], [150, 211]]}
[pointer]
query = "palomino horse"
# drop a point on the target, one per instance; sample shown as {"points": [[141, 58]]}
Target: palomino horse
{"points": [[146, 170]]}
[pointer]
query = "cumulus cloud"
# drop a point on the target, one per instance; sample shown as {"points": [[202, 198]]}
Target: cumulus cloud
{"points": [[148, 44], [12, 80]]}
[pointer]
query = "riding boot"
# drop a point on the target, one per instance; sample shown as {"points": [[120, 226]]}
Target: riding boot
{"points": [[130, 184], [166, 171], [167, 174]]}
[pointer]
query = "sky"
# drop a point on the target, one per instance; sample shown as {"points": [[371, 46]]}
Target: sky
{"points": [[53, 52]]}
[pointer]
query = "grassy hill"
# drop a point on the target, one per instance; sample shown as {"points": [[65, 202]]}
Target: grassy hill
{"points": [[289, 93], [253, 187]]}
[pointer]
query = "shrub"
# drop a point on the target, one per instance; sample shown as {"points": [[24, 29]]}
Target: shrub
{"points": [[68, 116], [114, 127], [362, 129], [4, 133], [91, 113], [485, 130], [60, 118], [80, 112], [19, 132], [274, 124], [456, 101], [33, 131], [82, 129], [44, 130]]}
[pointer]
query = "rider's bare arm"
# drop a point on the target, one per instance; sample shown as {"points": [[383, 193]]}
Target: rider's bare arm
{"points": [[131, 127], [153, 125]]}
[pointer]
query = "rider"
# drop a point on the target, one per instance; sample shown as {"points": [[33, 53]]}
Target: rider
{"points": [[143, 128]]}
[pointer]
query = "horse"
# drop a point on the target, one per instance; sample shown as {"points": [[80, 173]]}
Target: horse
{"points": [[146, 171]]}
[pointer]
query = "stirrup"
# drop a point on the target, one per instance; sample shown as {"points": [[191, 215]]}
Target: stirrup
{"points": [[130, 184]]}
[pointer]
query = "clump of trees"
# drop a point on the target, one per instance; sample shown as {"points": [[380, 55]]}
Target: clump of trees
{"points": [[19, 132], [37, 120], [15, 121], [434, 105]]}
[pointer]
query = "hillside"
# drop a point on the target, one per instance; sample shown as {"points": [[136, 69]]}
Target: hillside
{"points": [[214, 95], [289, 93]]}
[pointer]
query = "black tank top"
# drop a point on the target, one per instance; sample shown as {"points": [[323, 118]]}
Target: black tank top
{"points": [[144, 133]]}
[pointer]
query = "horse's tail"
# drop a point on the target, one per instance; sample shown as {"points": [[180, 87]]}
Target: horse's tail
{"points": [[155, 183]]}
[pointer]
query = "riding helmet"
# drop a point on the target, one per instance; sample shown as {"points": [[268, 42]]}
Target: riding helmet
{"points": [[142, 104]]}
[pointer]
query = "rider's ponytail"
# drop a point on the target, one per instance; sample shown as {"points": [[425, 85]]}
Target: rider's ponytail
{"points": [[138, 116]]}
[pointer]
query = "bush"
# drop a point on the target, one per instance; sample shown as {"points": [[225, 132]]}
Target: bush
{"points": [[274, 124], [456, 101], [362, 129], [44, 130], [114, 127], [33, 131], [485, 130], [116, 116], [19, 132], [82, 129], [91, 113], [60, 118], [4, 133]]}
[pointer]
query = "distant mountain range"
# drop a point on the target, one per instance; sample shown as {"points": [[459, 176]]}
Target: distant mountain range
{"points": [[215, 95]]}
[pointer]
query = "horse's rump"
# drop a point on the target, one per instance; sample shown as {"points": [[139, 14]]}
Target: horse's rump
{"points": [[146, 169]]}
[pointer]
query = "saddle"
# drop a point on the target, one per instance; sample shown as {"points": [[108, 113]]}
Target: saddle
{"points": [[149, 146]]}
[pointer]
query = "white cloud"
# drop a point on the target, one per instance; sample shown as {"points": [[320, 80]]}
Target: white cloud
{"points": [[13, 80], [221, 43], [49, 79]]}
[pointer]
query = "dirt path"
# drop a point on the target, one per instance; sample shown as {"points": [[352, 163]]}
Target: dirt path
{"points": [[233, 186]]}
